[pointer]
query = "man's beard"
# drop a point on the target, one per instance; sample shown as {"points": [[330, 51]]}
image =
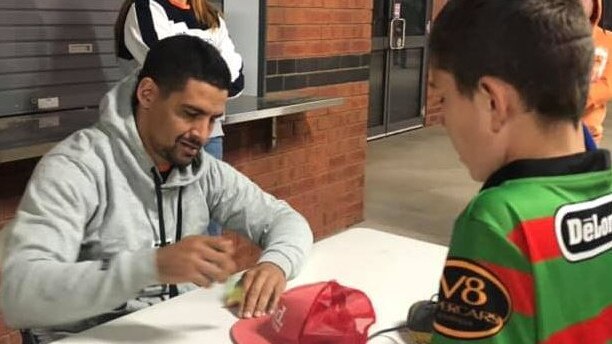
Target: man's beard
{"points": [[182, 153]]}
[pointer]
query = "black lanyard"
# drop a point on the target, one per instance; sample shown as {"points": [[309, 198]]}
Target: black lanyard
{"points": [[162, 226]]}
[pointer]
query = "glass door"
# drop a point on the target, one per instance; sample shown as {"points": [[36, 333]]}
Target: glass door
{"points": [[398, 65]]}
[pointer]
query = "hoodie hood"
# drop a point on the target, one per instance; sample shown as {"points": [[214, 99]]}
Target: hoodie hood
{"points": [[117, 120]]}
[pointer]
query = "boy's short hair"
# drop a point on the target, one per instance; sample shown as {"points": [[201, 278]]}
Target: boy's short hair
{"points": [[543, 48]]}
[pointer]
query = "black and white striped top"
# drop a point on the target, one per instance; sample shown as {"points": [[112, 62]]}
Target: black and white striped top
{"points": [[151, 20]]}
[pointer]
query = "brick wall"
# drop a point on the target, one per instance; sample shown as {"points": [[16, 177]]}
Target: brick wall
{"points": [[330, 42], [318, 48]]}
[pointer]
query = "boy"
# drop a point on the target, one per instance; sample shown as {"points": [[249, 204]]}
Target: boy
{"points": [[530, 256]]}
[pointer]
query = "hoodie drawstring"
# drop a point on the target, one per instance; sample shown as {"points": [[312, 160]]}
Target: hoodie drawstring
{"points": [[162, 227]]}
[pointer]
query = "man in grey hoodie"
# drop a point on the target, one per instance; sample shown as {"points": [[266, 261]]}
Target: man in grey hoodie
{"points": [[114, 218]]}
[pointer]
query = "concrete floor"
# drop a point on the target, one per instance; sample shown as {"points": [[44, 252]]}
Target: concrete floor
{"points": [[416, 186]]}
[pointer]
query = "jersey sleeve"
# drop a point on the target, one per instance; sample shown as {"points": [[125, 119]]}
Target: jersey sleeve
{"points": [[486, 291]]}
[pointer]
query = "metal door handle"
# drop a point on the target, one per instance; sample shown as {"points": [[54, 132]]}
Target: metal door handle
{"points": [[397, 33]]}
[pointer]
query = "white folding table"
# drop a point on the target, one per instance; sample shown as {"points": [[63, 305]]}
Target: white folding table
{"points": [[392, 270]]}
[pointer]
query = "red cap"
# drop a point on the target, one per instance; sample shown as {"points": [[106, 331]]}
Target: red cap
{"points": [[324, 312]]}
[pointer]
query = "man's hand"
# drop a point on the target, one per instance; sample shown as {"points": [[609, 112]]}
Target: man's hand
{"points": [[263, 286], [197, 259]]}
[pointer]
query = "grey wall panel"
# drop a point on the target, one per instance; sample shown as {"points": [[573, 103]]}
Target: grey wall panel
{"points": [[42, 56], [28, 80], [52, 33], [19, 49], [107, 5], [42, 128], [243, 24], [27, 17], [56, 48], [50, 63], [23, 101]]}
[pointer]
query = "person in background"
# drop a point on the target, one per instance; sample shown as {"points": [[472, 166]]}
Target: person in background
{"points": [[112, 218], [141, 23], [530, 255], [601, 75]]}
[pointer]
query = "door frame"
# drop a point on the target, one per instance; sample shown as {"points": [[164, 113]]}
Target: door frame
{"points": [[411, 42]]}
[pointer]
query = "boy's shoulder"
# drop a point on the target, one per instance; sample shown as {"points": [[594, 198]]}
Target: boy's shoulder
{"points": [[525, 199], [502, 198]]}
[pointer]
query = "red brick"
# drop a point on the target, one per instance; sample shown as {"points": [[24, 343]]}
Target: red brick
{"points": [[346, 31], [284, 129], [293, 32], [352, 103], [8, 335], [290, 144], [259, 150], [336, 47], [282, 192], [295, 3], [301, 128], [355, 156], [344, 90], [303, 186], [338, 160], [347, 3], [298, 172], [274, 50], [261, 166], [295, 16], [15, 338], [321, 170], [354, 183], [361, 46], [297, 158]]}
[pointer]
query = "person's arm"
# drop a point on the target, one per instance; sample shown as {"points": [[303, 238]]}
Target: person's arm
{"points": [[600, 91], [145, 24], [282, 233], [238, 203], [232, 59], [43, 283], [486, 291]]}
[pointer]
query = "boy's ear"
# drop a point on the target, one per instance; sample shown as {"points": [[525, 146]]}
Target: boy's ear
{"points": [[494, 97]]}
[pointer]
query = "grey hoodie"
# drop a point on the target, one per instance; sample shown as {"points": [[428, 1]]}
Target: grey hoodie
{"points": [[81, 247]]}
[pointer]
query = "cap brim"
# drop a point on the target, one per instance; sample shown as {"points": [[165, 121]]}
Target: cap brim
{"points": [[252, 331]]}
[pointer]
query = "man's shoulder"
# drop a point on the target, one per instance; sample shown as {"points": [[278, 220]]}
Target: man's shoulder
{"points": [[82, 147]]}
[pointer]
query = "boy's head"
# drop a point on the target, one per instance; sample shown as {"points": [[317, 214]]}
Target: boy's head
{"points": [[502, 66]]}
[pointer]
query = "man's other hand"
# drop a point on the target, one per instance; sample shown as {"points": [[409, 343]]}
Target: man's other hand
{"points": [[263, 286], [198, 259]]}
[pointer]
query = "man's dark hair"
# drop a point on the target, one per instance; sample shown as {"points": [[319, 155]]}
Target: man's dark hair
{"points": [[543, 48], [172, 61]]}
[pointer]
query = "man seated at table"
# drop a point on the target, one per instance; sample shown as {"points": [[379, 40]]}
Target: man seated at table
{"points": [[530, 256], [115, 216]]}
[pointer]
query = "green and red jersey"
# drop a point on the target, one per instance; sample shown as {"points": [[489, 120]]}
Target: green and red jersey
{"points": [[530, 260]]}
